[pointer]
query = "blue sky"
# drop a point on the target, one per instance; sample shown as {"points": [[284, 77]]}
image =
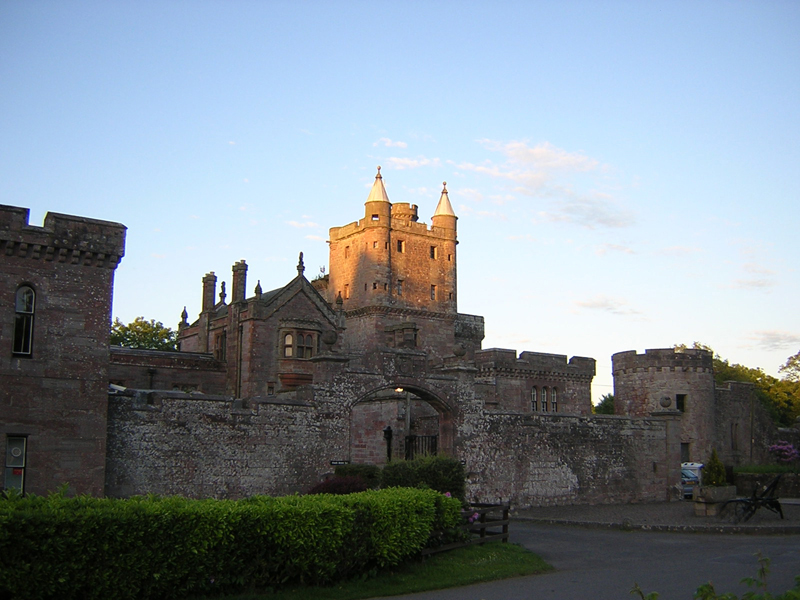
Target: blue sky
{"points": [[625, 174]]}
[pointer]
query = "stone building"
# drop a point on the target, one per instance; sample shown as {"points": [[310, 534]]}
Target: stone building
{"points": [[56, 283], [271, 389], [729, 419]]}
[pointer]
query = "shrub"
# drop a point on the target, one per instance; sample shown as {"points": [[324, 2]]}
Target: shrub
{"points": [[784, 452], [440, 473], [153, 547], [369, 473], [714, 471], [340, 485]]}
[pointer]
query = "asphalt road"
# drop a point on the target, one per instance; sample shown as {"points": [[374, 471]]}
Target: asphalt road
{"points": [[599, 564]]}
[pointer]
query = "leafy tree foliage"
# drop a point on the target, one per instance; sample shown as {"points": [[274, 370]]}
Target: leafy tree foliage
{"points": [[605, 406], [149, 335], [781, 397], [792, 368]]}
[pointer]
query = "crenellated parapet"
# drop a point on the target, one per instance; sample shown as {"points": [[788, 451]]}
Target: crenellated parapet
{"points": [[505, 362], [63, 238], [670, 359]]}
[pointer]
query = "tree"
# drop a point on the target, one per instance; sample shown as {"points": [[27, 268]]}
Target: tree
{"points": [[791, 368], [605, 406], [781, 397], [149, 335]]}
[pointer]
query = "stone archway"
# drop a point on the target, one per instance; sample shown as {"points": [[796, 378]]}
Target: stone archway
{"points": [[395, 423]]}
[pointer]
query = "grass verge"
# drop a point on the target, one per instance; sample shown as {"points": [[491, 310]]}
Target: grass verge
{"points": [[464, 566]]}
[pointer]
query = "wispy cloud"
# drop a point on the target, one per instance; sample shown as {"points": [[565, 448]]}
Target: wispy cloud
{"points": [[752, 284], [606, 248], [316, 238], [569, 181], [399, 164], [680, 250], [776, 340], [390, 143], [303, 224], [602, 303]]}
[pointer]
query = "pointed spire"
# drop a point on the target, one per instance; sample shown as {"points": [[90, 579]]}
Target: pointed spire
{"points": [[184, 319], [378, 192], [444, 207], [258, 289], [300, 266]]}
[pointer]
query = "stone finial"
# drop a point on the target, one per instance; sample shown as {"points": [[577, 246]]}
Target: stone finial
{"points": [[222, 294], [184, 318], [300, 266], [258, 291], [339, 301]]}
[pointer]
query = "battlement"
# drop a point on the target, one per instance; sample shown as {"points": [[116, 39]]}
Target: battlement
{"points": [[62, 238], [663, 358], [502, 358]]}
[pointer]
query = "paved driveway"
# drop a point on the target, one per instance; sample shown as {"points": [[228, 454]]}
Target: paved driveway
{"points": [[598, 564]]}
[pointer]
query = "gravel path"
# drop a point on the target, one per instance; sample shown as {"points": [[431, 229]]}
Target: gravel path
{"points": [[663, 516]]}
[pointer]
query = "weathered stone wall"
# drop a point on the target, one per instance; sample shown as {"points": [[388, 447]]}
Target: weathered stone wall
{"points": [[547, 460], [159, 370], [641, 381], [56, 395]]}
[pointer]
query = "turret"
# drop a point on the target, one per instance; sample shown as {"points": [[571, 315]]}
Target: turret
{"points": [[377, 208], [445, 217]]}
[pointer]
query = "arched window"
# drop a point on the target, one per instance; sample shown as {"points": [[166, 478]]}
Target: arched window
{"points": [[544, 399], [534, 400], [554, 399], [288, 345], [305, 348], [23, 321]]}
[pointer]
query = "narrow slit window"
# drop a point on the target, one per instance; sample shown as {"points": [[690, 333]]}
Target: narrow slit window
{"points": [[433, 292], [399, 287], [23, 321], [554, 400], [534, 400], [434, 252], [544, 399]]}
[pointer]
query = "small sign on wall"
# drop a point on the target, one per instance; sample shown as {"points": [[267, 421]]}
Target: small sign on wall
{"points": [[335, 463]]}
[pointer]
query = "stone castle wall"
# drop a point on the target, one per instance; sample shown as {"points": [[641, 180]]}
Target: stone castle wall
{"points": [[55, 397]]}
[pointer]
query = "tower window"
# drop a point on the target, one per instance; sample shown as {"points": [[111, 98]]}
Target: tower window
{"points": [[374, 285], [534, 400], [544, 399], [680, 402], [376, 218], [434, 252], [401, 246], [399, 287], [433, 292], [375, 244], [346, 291], [449, 257], [23, 321], [347, 251]]}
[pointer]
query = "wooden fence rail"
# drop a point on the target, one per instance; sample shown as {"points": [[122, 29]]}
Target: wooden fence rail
{"points": [[490, 525]]}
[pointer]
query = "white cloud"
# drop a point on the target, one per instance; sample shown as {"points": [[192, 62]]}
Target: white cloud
{"points": [[316, 238], [776, 340], [606, 304], [568, 180], [411, 163], [606, 248], [303, 224], [752, 284], [390, 144]]}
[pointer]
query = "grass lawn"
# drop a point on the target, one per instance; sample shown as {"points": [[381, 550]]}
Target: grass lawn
{"points": [[464, 566]]}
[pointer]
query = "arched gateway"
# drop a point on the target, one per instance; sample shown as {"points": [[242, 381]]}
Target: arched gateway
{"points": [[398, 422]]}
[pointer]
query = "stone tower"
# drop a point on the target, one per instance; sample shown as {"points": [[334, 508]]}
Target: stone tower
{"points": [[643, 383], [391, 259]]}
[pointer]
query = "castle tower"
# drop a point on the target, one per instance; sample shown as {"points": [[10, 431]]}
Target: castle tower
{"points": [[389, 258], [644, 383]]}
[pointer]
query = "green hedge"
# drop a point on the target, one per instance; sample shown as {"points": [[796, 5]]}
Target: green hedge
{"points": [[153, 547], [371, 474], [440, 473]]}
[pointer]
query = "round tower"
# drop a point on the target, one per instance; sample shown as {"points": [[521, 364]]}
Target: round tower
{"points": [[669, 379]]}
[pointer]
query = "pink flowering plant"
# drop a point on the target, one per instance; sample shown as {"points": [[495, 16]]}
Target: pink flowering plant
{"points": [[784, 452]]}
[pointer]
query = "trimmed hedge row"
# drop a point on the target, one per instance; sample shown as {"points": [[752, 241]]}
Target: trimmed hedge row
{"points": [[154, 547], [440, 473]]}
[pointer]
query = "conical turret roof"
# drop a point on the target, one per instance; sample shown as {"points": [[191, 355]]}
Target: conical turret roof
{"points": [[378, 192], [444, 207]]}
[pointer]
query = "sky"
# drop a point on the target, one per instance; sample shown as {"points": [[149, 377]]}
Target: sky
{"points": [[625, 174]]}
